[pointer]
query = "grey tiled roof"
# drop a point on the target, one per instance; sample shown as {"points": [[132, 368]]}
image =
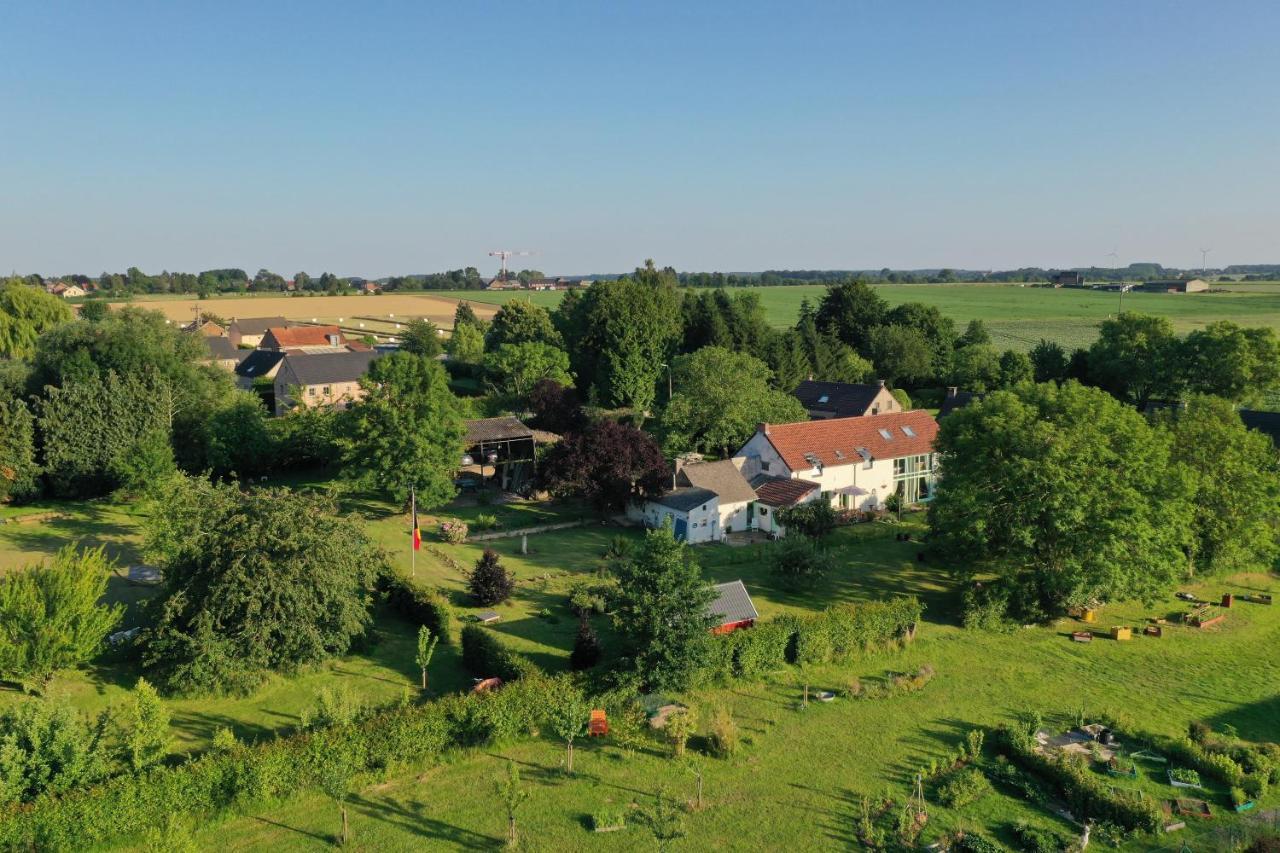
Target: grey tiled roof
{"points": [[496, 429], [256, 325], [845, 399], [732, 604], [222, 348], [721, 477], [685, 499], [259, 362], [330, 367]]}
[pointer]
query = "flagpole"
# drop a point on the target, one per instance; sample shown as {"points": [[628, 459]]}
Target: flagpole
{"points": [[413, 534]]}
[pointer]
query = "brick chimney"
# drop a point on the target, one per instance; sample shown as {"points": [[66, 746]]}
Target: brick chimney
{"points": [[880, 382], [952, 390], [764, 428]]}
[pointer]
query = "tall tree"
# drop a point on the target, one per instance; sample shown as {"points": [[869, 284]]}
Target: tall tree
{"points": [[26, 313], [850, 310], [521, 322], [516, 368], [407, 431], [1065, 492], [1236, 480], [939, 332], [607, 463], [661, 612], [267, 579], [50, 615], [19, 471], [465, 315], [975, 333], [466, 344], [421, 337], [976, 368], [1135, 358], [900, 353], [1228, 361], [1049, 361], [721, 396], [1015, 368]]}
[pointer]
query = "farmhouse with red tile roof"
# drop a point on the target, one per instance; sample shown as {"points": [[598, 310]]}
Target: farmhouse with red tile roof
{"points": [[856, 463]]}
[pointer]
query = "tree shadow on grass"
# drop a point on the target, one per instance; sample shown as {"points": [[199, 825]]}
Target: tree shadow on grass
{"points": [[411, 818], [308, 833], [200, 727], [1259, 721]]}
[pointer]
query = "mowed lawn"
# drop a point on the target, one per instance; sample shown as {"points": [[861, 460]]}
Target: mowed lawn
{"points": [[797, 781], [1017, 317]]}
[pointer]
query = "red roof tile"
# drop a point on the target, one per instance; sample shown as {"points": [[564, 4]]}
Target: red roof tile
{"points": [[301, 336], [781, 491], [836, 441]]}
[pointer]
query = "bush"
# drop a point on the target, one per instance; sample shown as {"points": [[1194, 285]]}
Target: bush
{"points": [[586, 648], [814, 520], [986, 608], [485, 656], [723, 736], [1033, 839], [418, 605], [603, 820], [47, 747], [454, 532], [962, 787], [799, 563], [489, 583], [487, 521]]}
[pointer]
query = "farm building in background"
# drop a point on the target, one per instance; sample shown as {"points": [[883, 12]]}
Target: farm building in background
{"points": [[1195, 285]]}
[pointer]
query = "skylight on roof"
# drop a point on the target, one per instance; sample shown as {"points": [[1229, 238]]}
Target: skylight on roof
{"points": [[839, 454], [886, 435], [908, 432], [824, 398], [812, 459], [865, 454]]}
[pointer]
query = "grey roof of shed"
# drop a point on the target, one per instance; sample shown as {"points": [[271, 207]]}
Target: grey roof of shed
{"points": [[496, 429], [259, 362], [256, 325], [330, 367], [732, 603], [686, 498], [721, 477]]}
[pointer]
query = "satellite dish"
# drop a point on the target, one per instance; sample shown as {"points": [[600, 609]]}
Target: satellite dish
{"points": [[467, 460]]}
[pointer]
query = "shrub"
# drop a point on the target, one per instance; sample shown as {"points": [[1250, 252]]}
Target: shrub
{"points": [[47, 747], [489, 583], [986, 608], [971, 842], [487, 521], [419, 605], [798, 562], [814, 520], [485, 656], [914, 681], [723, 736], [1033, 839], [962, 787], [454, 532], [586, 648]]}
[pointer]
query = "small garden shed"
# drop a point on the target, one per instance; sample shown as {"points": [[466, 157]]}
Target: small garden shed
{"points": [[732, 608]]}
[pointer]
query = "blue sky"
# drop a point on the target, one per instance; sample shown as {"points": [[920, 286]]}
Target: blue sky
{"points": [[376, 138]]}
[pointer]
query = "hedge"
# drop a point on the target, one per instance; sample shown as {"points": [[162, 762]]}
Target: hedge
{"points": [[485, 657], [1087, 793], [218, 784], [839, 633], [419, 605]]}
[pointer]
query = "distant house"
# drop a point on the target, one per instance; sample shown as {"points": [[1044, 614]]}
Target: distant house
{"points": [[1067, 278], [222, 353], [370, 287], [844, 399], [67, 291], [504, 284], [956, 399], [774, 493], [545, 284], [856, 462], [732, 608], [207, 328], [330, 379], [248, 332], [291, 337], [1117, 287], [503, 448], [1194, 285]]}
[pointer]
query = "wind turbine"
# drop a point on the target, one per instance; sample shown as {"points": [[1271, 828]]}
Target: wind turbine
{"points": [[1204, 255]]}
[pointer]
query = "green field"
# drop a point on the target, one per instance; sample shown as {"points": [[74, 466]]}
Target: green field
{"points": [[798, 779], [1016, 316]]}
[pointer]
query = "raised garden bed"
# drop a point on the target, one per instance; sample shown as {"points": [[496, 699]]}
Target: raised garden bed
{"points": [[1258, 598], [1192, 808], [1182, 777], [1206, 621], [1244, 807], [1082, 636], [1122, 767]]}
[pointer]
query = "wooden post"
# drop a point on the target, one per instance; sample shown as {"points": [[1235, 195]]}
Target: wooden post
{"points": [[524, 543]]}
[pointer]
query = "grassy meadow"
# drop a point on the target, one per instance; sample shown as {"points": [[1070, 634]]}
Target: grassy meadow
{"points": [[799, 777], [1016, 316]]}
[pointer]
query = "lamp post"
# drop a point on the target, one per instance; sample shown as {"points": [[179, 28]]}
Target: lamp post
{"points": [[668, 367]]}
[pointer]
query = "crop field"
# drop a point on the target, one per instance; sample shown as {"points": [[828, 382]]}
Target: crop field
{"points": [[1016, 316], [380, 312]]}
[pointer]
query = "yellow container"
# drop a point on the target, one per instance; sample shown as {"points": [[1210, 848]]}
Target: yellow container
{"points": [[1120, 632], [1089, 615]]}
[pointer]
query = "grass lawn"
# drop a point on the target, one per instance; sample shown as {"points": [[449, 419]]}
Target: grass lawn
{"points": [[797, 781], [1017, 317]]}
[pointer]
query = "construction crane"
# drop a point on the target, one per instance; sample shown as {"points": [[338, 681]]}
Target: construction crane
{"points": [[504, 254]]}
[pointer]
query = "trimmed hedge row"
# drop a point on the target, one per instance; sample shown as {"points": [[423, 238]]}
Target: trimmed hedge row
{"points": [[838, 633], [1087, 793], [485, 657], [218, 784], [419, 605]]}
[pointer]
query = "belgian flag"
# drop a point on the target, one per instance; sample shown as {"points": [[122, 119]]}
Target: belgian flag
{"points": [[417, 532]]}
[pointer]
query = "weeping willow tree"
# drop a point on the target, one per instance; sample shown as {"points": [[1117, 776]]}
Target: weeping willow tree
{"points": [[25, 313]]}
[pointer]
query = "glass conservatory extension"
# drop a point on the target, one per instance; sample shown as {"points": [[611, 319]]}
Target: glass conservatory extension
{"points": [[914, 477]]}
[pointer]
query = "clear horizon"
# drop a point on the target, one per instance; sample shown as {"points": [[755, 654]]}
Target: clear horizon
{"points": [[412, 139]]}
